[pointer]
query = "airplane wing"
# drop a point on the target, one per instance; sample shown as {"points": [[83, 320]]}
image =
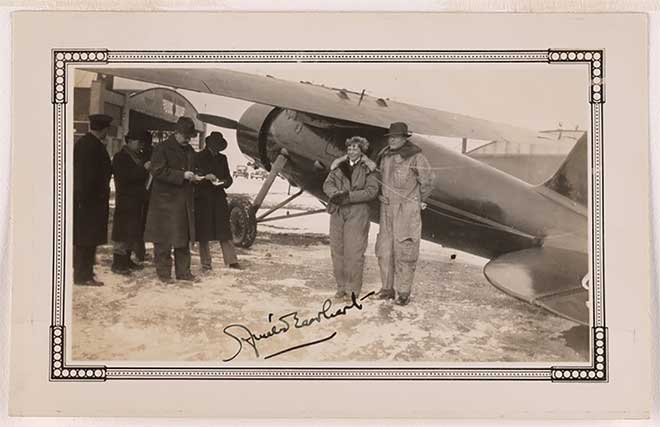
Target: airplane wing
{"points": [[329, 102], [548, 277]]}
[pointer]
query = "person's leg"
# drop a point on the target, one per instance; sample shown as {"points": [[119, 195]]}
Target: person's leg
{"points": [[91, 261], [385, 254], [205, 255], [129, 262], [356, 238], [120, 258], [163, 260], [406, 255], [78, 264], [229, 252], [337, 251], [140, 250], [83, 263], [182, 263]]}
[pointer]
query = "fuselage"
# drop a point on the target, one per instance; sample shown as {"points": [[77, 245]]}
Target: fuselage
{"points": [[473, 207]]}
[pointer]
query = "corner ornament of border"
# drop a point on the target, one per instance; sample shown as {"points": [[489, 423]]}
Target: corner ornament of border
{"points": [[61, 58], [594, 58], [597, 372], [60, 372]]}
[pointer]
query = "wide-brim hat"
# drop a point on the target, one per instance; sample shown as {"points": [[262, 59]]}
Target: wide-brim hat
{"points": [[186, 127], [99, 121], [217, 138], [398, 129]]}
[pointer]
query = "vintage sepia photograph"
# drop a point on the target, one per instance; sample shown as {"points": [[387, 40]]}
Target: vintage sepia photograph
{"points": [[348, 213], [330, 215]]}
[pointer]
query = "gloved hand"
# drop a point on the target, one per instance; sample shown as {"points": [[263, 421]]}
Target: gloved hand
{"points": [[340, 198]]}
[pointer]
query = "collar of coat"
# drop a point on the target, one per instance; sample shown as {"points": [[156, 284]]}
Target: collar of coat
{"points": [[345, 167], [133, 155], [208, 152], [174, 143], [407, 150]]}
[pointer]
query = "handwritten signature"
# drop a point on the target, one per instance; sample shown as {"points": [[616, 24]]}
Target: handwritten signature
{"points": [[243, 335]]}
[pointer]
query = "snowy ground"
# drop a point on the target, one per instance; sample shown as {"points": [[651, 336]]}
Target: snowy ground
{"points": [[455, 315]]}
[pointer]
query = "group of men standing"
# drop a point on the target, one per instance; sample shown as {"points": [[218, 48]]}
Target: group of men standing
{"points": [[156, 193], [187, 202]]}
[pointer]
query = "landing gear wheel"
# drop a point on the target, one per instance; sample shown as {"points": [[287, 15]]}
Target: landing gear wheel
{"points": [[242, 221]]}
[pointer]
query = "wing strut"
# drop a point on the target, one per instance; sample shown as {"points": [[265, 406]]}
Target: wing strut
{"points": [[277, 167]]}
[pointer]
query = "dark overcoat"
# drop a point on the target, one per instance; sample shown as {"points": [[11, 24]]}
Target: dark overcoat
{"points": [[211, 210], [130, 195], [145, 155], [171, 216], [91, 191]]}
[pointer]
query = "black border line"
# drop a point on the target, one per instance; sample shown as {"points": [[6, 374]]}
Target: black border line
{"points": [[597, 372]]}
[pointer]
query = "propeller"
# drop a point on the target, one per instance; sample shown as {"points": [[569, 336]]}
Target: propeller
{"points": [[218, 121]]}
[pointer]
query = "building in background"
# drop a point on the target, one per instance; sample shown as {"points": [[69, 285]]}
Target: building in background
{"points": [[155, 109]]}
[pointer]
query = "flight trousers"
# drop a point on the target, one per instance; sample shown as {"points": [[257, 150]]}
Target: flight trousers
{"points": [[349, 236], [397, 245]]}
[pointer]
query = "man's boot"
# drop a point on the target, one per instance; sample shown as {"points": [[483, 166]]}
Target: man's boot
{"points": [[402, 299], [385, 294], [119, 265], [132, 265]]}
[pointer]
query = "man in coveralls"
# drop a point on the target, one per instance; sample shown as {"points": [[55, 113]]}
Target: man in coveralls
{"points": [[406, 181]]}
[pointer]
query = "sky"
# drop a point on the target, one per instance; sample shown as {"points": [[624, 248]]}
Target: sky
{"points": [[535, 96]]}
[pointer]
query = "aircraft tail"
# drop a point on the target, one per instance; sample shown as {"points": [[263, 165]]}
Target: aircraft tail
{"points": [[570, 180]]}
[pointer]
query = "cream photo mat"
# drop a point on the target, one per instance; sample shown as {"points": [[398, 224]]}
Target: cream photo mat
{"points": [[622, 37]]}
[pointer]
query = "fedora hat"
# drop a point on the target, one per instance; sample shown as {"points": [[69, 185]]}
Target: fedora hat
{"points": [[216, 138], [398, 129]]}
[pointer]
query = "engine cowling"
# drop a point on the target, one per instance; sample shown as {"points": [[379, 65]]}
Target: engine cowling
{"points": [[252, 132]]}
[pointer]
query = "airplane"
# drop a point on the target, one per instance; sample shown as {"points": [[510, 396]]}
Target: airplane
{"points": [[535, 236]]}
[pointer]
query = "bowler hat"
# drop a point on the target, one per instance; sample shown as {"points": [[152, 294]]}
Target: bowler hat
{"points": [[216, 138], [185, 126], [99, 121], [398, 129]]}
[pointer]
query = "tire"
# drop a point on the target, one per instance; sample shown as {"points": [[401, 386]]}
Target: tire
{"points": [[242, 221]]}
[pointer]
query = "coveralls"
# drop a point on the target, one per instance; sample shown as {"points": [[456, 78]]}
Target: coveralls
{"points": [[407, 180], [349, 222]]}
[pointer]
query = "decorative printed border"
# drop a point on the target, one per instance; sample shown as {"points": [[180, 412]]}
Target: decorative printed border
{"points": [[592, 59]]}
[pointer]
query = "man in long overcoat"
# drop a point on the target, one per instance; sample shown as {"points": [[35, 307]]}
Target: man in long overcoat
{"points": [[211, 209], [130, 195], [407, 180], [171, 217], [91, 193]]}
